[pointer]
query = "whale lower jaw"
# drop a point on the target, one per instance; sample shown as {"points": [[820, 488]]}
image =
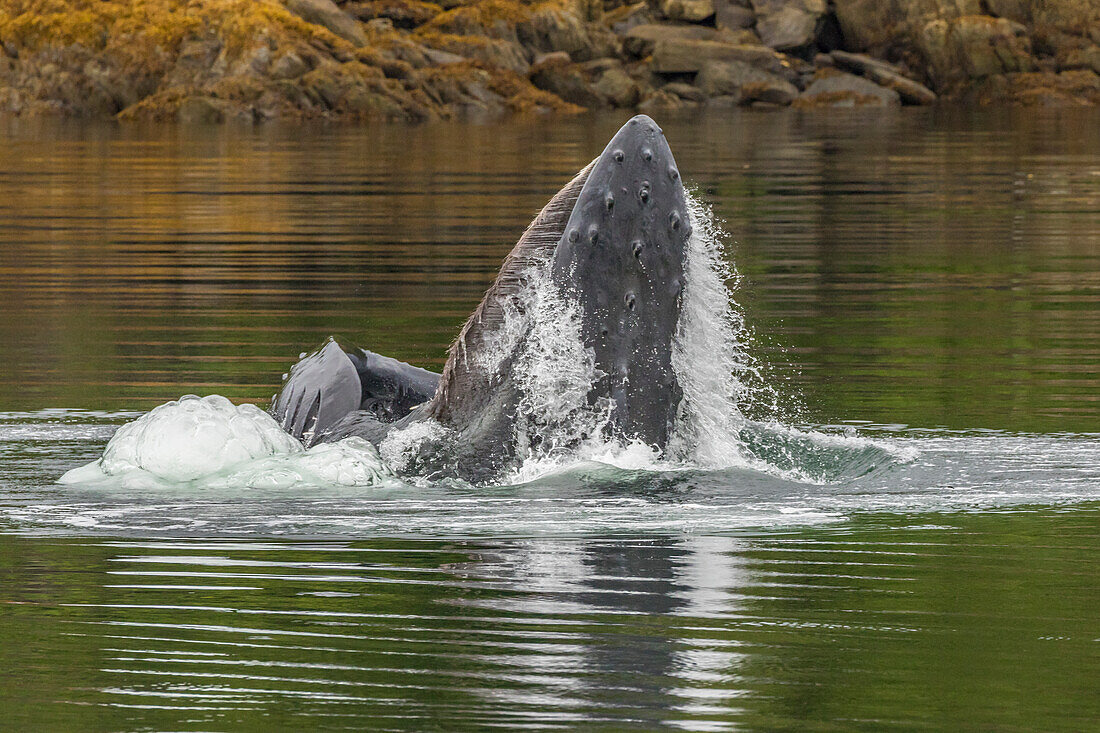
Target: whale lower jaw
{"points": [[612, 244]]}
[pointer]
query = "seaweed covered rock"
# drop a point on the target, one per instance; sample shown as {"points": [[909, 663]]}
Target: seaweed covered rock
{"points": [[217, 60], [214, 60]]}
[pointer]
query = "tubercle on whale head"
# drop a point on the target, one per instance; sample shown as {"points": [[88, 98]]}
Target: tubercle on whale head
{"points": [[621, 257]]}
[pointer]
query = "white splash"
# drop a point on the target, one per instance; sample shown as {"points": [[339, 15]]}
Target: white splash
{"points": [[557, 430], [210, 442], [554, 373], [400, 448], [708, 355]]}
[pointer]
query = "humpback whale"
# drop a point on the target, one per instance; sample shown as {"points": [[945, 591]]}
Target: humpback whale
{"points": [[606, 257]]}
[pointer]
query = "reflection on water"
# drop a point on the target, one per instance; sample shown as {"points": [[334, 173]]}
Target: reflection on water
{"points": [[913, 268], [952, 626]]}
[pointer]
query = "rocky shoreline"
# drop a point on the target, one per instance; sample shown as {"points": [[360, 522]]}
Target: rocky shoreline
{"points": [[212, 60]]}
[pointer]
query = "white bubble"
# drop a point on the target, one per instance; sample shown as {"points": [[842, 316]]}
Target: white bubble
{"points": [[209, 441]]}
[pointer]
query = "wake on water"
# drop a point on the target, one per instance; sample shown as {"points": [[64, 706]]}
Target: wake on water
{"points": [[210, 443]]}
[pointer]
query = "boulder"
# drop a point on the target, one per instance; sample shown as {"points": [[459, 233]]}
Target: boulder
{"points": [[501, 53], [566, 80], [325, 13], [685, 91], [552, 29], [622, 19], [1017, 10], [833, 88], [595, 67], [288, 66], [911, 92], [729, 15], [883, 74], [402, 13], [974, 46], [680, 56], [1078, 17], [746, 82], [858, 63], [641, 39], [692, 11], [1038, 89], [788, 24], [875, 24], [617, 88], [200, 110], [1074, 52], [662, 101]]}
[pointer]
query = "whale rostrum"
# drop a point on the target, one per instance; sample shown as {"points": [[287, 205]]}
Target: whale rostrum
{"points": [[612, 244]]}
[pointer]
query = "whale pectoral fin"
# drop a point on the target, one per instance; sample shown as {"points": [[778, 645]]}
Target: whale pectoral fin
{"points": [[322, 388], [336, 380]]}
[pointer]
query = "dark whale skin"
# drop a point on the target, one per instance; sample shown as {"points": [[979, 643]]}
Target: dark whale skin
{"points": [[621, 258], [614, 239]]}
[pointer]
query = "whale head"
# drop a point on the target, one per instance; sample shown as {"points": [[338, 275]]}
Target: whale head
{"points": [[621, 259]]}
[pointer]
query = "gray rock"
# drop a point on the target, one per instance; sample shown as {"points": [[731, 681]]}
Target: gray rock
{"points": [[554, 57], [858, 63], [731, 16], [679, 56], [642, 39], [685, 91], [788, 24], [911, 92], [552, 29], [566, 80], [288, 66], [616, 86], [884, 74], [441, 58], [662, 101], [832, 88], [325, 13], [974, 46], [875, 24], [199, 110], [692, 11], [621, 20], [723, 78], [595, 67]]}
